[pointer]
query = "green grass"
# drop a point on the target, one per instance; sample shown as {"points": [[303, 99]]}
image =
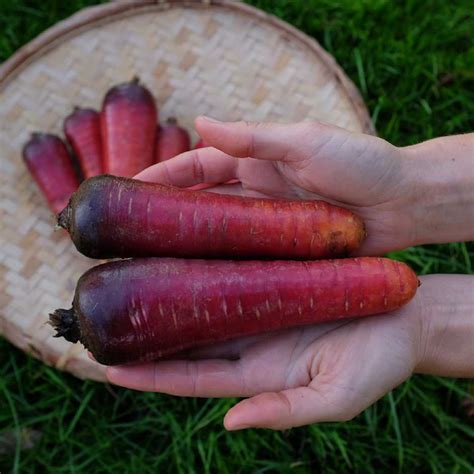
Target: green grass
{"points": [[414, 63]]}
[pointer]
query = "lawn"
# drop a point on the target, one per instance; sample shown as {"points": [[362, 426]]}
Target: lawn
{"points": [[413, 61]]}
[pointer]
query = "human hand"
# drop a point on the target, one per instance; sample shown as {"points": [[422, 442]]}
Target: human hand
{"points": [[328, 372], [333, 371], [304, 160]]}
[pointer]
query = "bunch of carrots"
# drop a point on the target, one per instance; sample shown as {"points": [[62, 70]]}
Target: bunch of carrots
{"points": [[197, 267], [122, 139]]}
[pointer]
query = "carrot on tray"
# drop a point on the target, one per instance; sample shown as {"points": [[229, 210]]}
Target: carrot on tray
{"points": [[144, 309], [172, 140], [128, 128], [51, 165], [82, 130], [119, 217]]}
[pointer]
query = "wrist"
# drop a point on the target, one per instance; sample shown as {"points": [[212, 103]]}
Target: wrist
{"points": [[445, 325], [440, 189]]}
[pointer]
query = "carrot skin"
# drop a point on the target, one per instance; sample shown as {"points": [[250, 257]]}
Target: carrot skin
{"points": [[49, 162], [145, 309], [82, 130], [128, 127], [172, 140], [112, 217]]}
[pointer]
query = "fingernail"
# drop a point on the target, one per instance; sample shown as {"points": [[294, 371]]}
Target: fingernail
{"points": [[112, 371], [238, 427], [210, 119], [114, 375]]}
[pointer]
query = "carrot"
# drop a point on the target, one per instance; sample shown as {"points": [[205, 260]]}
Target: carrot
{"points": [[144, 309], [82, 129], [128, 126], [119, 217], [200, 144], [51, 166], [172, 140]]}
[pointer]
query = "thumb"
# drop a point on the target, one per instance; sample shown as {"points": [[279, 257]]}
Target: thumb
{"points": [[288, 409], [264, 141]]}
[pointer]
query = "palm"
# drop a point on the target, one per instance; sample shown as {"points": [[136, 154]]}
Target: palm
{"points": [[326, 372]]}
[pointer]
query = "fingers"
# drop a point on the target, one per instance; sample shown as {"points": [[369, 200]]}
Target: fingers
{"points": [[214, 376], [232, 349], [286, 409], [265, 141], [205, 165], [186, 378]]}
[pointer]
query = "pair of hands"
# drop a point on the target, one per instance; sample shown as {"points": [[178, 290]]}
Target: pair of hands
{"points": [[328, 372]]}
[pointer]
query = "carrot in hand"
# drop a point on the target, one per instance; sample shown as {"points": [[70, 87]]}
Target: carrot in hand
{"points": [[82, 129], [118, 217], [144, 309], [51, 165], [128, 127], [172, 140]]}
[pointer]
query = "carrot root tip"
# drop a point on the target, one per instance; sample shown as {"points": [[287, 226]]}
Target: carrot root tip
{"points": [[64, 321], [64, 218]]}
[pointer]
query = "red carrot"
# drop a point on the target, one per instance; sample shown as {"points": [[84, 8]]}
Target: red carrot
{"points": [[128, 126], [51, 165], [82, 129], [172, 141], [119, 217], [137, 310], [200, 144]]}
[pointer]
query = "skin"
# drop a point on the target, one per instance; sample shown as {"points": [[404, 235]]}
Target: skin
{"points": [[332, 372]]}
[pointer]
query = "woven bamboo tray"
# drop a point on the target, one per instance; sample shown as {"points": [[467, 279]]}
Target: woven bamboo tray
{"points": [[221, 58]]}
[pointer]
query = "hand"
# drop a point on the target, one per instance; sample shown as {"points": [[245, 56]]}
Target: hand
{"points": [[328, 372], [333, 371], [304, 160]]}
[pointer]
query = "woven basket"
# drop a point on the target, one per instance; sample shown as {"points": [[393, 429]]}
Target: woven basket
{"points": [[221, 58]]}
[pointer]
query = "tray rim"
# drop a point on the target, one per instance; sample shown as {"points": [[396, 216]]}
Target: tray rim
{"points": [[89, 17]]}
